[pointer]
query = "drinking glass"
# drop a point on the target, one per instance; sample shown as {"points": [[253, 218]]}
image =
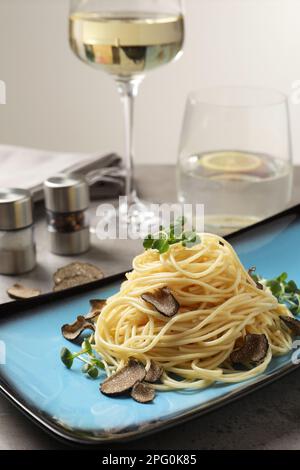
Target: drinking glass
{"points": [[127, 38], [235, 155]]}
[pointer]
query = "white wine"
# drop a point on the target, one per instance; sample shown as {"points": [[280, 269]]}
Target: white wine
{"points": [[237, 188], [126, 45]]}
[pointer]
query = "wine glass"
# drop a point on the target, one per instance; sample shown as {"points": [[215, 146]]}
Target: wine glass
{"points": [[127, 38], [235, 155]]}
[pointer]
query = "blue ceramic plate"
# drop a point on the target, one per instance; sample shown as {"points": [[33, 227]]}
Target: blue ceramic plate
{"points": [[70, 405]]}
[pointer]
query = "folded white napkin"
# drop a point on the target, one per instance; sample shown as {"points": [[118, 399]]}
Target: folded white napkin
{"points": [[28, 168]]}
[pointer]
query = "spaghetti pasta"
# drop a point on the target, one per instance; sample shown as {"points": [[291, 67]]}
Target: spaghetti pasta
{"points": [[219, 302]]}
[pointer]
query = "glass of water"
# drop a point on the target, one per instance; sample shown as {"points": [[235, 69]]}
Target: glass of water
{"points": [[235, 156]]}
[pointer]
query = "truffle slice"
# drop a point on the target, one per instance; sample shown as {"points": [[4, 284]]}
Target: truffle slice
{"points": [[96, 307], [251, 272], [19, 292], [123, 380], [163, 301], [259, 285], [77, 269], [73, 331], [142, 393], [154, 373], [254, 350], [75, 274], [292, 324], [71, 282]]}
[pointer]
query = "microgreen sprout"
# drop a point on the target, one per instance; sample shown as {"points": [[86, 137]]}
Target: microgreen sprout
{"points": [[91, 362], [286, 291], [67, 357], [176, 233]]}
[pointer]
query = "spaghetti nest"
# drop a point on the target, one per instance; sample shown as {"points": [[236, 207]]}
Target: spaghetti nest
{"points": [[219, 304]]}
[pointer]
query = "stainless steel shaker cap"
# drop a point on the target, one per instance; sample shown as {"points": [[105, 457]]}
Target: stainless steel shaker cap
{"points": [[15, 209], [66, 193]]}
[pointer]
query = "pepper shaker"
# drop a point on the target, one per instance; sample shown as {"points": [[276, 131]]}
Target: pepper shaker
{"points": [[67, 200], [17, 246]]}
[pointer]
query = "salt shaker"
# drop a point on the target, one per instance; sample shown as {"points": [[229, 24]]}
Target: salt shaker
{"points": [[67, 200], [17, 246]]}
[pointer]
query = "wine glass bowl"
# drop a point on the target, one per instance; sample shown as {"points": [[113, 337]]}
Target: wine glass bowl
{"points": [[125, 44]]}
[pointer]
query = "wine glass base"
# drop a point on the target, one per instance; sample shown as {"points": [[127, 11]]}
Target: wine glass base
{"points": [[225, 224]]}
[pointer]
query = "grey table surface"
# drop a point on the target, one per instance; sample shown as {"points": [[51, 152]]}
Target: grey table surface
{"points": [[267, 419]]}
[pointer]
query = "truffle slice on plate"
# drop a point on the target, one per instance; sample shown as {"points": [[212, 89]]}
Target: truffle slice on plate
{"points": [[73, 331], [154, 373], [292, 324], [96, 307], [19, 292], [163, 301], [123, 380], [142, 393], [76, 274], [254, 350]]}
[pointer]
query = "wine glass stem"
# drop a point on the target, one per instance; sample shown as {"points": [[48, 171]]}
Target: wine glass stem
{"points": [[128, 91]]}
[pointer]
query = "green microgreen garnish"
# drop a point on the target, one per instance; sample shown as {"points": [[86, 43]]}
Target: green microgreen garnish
{"points": [[92, 364], [286, 291], [67, 357], [176, 233]]}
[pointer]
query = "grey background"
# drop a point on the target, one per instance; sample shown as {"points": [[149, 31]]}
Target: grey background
{"points": [[56, 102]]}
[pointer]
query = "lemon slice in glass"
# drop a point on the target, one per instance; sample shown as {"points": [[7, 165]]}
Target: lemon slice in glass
{"points": [[230, 161]]}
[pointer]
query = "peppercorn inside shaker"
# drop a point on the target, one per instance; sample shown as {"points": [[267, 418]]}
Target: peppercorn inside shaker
{"points": [[17, 246], [67, 200]]}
